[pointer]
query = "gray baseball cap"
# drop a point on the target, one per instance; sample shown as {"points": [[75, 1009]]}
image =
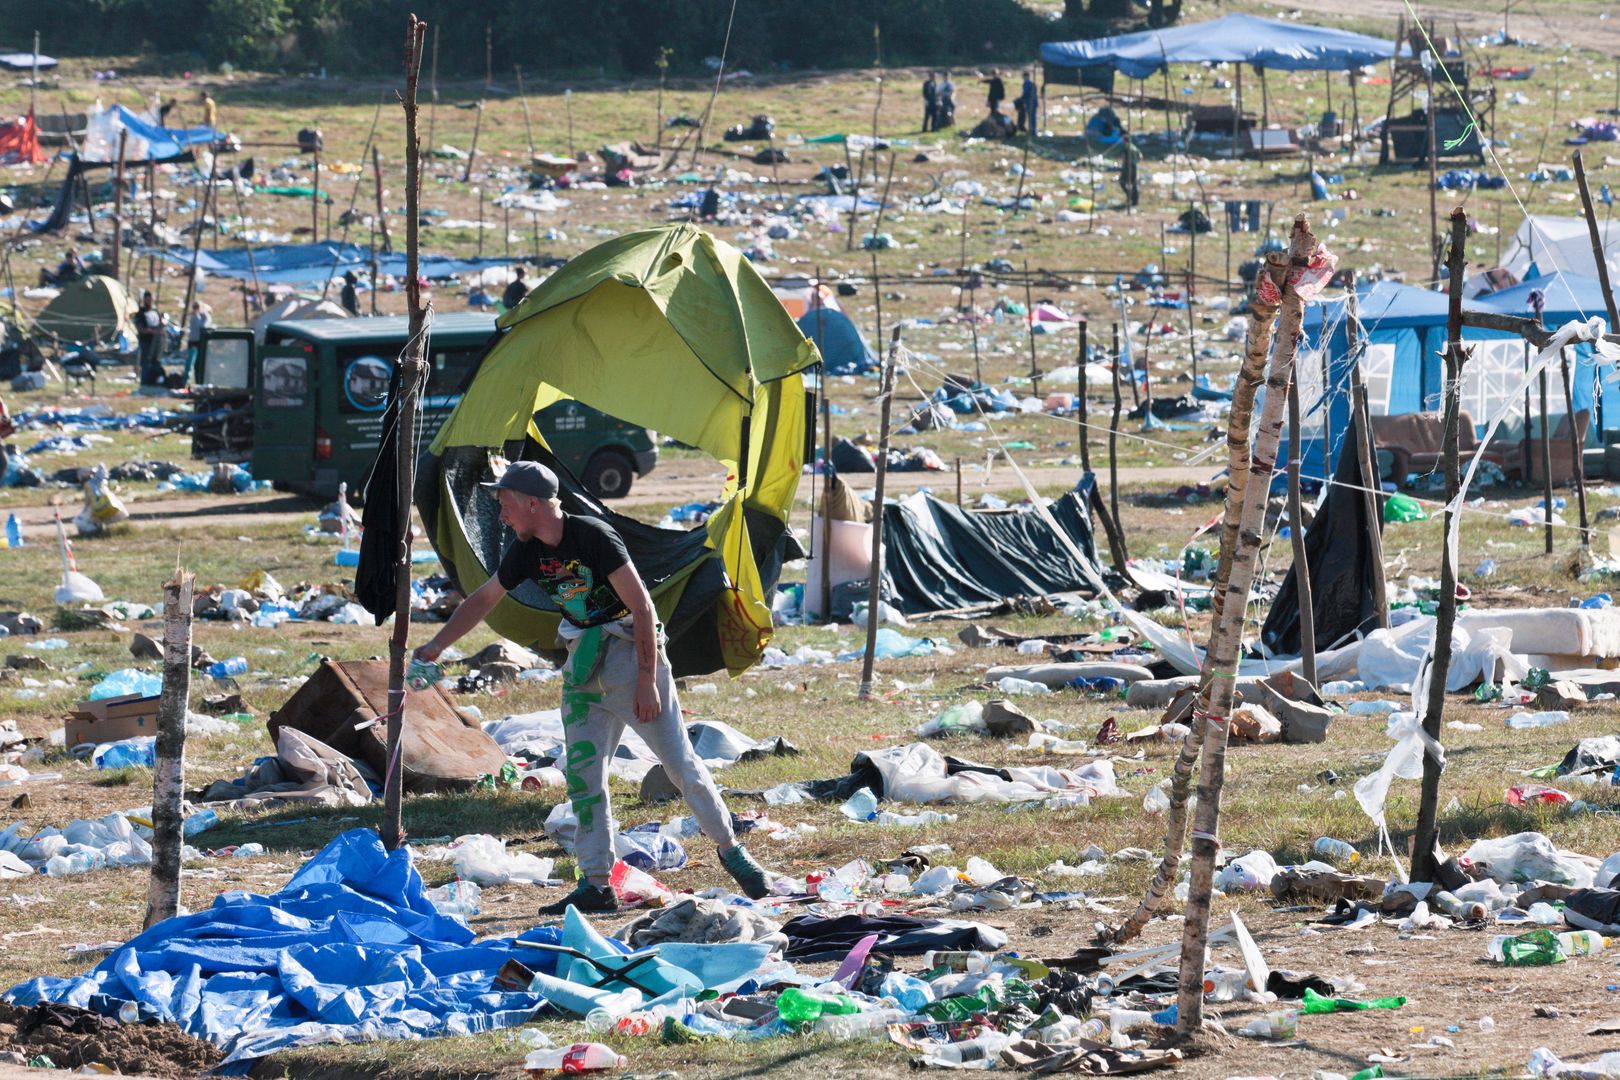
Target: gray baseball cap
{"points": [[527, 478]]}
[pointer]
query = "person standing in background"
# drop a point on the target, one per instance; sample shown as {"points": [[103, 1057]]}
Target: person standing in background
{"points": [[930, 95]]}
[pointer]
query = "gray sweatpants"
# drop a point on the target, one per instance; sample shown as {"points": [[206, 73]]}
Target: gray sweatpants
{"points": [[599, 700]]}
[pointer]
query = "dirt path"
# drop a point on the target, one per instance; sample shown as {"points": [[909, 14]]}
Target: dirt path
{"points": [[663, 488]]}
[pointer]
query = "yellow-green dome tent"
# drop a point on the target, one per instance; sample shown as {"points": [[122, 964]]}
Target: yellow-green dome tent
{"points": [[90, 309], [676, 331]]}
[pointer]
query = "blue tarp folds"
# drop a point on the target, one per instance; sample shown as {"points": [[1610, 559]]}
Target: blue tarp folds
{"points": [[165, 142], [1246, 39], [303, 264], [350, 950]]}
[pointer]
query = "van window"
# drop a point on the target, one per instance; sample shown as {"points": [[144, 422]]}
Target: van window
{"points": [[285, 382], [228, 361], [448, 369]]}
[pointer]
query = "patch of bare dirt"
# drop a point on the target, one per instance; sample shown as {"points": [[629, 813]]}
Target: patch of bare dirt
{"points": [[73, 1038]]}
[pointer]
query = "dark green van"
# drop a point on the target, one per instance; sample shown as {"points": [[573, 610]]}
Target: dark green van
{"points": [[320, 392]]}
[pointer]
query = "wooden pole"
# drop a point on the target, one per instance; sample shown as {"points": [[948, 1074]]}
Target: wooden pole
{"points": [[196, 247], [523, 99], [169, 767], [1246, 390], [1598, 254], [855, 169], [1081, 411], [1373, 505], [1029, 327], [118, 210], [1434, 211], [826, 460], [315, 200], [1426, 857], [382, 215], [874, 591], [1215, 702], [480, 254], [1577, 465], [411, 378], [1546, 466], [568, 104], [1296, 536], [1113, 437], [478, 126], [433, 89]]}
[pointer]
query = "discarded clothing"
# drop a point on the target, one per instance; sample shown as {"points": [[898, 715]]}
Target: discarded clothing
{"points": [[702, 921], [813, 938], [304, 770]]}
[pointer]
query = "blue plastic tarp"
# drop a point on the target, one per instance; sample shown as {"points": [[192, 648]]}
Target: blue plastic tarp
{"points": [[1568, 296], [350, 949], [304, 264], [1245, 39], [165, 142]]}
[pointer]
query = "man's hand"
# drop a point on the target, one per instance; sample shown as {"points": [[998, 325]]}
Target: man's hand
{"points": [[428, 652], [648, 704]]}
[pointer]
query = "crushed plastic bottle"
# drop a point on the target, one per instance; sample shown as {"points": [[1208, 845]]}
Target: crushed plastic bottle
{"points": [[578, 1058], [199, 822], [1523, 720], [457, 898], [1341, 687], [1537, 948], [1008, 684]]}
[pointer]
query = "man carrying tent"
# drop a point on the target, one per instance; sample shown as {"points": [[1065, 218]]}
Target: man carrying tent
{"points": [[616, 671]]}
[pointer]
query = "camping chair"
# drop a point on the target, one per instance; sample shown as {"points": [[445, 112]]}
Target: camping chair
{"points": [[608, 970]]}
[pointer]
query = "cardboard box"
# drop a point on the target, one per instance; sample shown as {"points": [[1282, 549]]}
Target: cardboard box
{"points": [[111, 719]]}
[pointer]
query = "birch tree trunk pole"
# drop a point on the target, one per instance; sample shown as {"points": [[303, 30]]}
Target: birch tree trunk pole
{"points": [[1256, 348], [1425, 838], [410, 384], [1226, 638], [169, 769]]}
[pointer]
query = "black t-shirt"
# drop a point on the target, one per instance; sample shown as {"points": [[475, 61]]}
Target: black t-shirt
{"points": [[514, 294], [575, 572]]}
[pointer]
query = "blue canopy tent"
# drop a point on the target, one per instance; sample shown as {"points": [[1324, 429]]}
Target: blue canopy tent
{"points": [[1404, 330], [1267, 44], [842, 347]]}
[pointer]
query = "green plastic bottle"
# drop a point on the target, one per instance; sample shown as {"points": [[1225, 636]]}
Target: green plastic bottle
{"points": [[1316, 1003], [798, 1006]]}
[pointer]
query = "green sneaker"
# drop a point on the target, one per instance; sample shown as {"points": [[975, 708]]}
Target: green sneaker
{"points": [[587, 899], [747, 873]]}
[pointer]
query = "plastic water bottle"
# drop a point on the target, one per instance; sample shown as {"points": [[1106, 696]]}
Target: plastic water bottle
{"points": [[578, 1058], [1536, 719], [861, 806], [225, 669], [1225, 984], [1372, 708], [970, 962], [1122, 1020], [1094, 1029], [1336, 850], [1457, 908], [1340, 687], [13, 531], [862, 1025], [986, 1047], [201, 821], [80, 862]]}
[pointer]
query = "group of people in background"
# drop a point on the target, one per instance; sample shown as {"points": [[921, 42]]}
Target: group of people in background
{"points": [[939, 101]]}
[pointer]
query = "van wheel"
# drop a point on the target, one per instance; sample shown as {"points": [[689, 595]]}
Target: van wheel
{"points": [[608, 475]]}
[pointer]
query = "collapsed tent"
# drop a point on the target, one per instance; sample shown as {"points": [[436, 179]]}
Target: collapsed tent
{"points": [[19, 142], [842, 346], [304, 264], [90, 309], [939, 557], [1341, 561], [1546, 244], [669, 329], [1236, 39]]}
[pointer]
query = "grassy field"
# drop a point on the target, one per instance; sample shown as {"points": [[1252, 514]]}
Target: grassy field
{"points": [[1274, 797]]}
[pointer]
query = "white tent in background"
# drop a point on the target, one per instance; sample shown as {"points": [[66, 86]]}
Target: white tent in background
{"points": [[1554, 244], [295, 307]]}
